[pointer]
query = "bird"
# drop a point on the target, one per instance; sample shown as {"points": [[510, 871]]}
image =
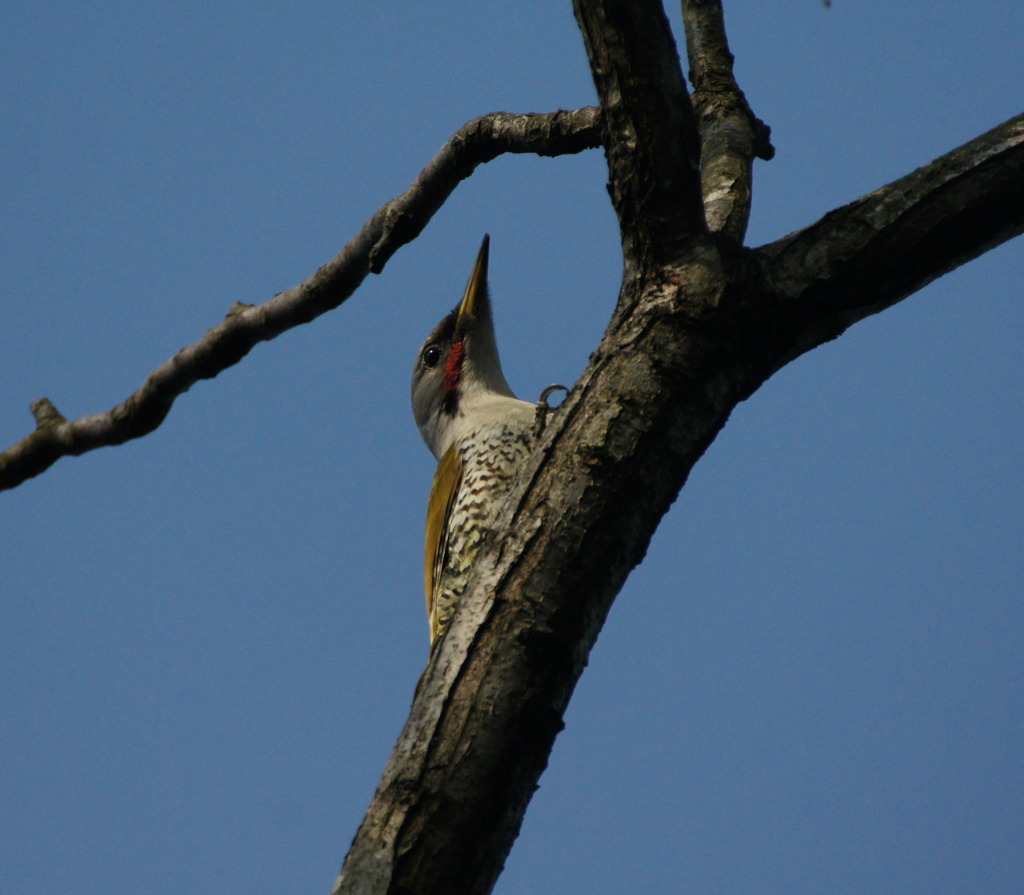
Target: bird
{"points": [[479, 432]]}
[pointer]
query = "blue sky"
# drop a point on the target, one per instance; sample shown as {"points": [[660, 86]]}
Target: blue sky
{"points": [[209, 638]]}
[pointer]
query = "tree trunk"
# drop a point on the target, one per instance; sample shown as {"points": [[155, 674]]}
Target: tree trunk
{"points": [[700, 324]]}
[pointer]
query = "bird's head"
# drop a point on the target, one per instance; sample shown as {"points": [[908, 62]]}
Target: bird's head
{"points": [[458, 367]]}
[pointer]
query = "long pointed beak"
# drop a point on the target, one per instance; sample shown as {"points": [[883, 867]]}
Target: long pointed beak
{"points": [[475, 297]]}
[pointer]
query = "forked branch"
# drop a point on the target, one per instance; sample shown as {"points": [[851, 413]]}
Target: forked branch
{"points": [[700, 325]]}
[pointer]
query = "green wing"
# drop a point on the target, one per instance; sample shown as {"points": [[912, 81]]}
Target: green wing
{"points": [[442, 497]]}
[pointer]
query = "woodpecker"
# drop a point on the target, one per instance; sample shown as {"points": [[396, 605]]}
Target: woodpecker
{"points": [[480, 433]]}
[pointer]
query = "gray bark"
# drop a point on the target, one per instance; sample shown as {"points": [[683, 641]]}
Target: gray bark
{"points": [[700, 324]]}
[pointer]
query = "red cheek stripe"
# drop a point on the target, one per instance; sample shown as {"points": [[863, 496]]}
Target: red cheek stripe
{"points": [[453, 369]]}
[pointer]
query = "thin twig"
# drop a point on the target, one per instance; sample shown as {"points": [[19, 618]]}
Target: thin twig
{"points": [[398, 222], [731, 135]]}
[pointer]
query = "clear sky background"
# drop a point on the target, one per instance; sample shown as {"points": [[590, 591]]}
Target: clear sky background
{"points": [[209, 638]]}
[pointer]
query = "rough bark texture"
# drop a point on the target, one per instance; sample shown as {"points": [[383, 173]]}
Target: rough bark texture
{"points": [[870, 254], [700, 324], [650, 134]]}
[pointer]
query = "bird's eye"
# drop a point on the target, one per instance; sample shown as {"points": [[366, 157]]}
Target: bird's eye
{"points": [[431, 356]]}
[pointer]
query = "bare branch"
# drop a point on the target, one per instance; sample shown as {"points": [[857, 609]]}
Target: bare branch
{"points": [[870, 254], [398, 222], [731, 135], [651, 138]]}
